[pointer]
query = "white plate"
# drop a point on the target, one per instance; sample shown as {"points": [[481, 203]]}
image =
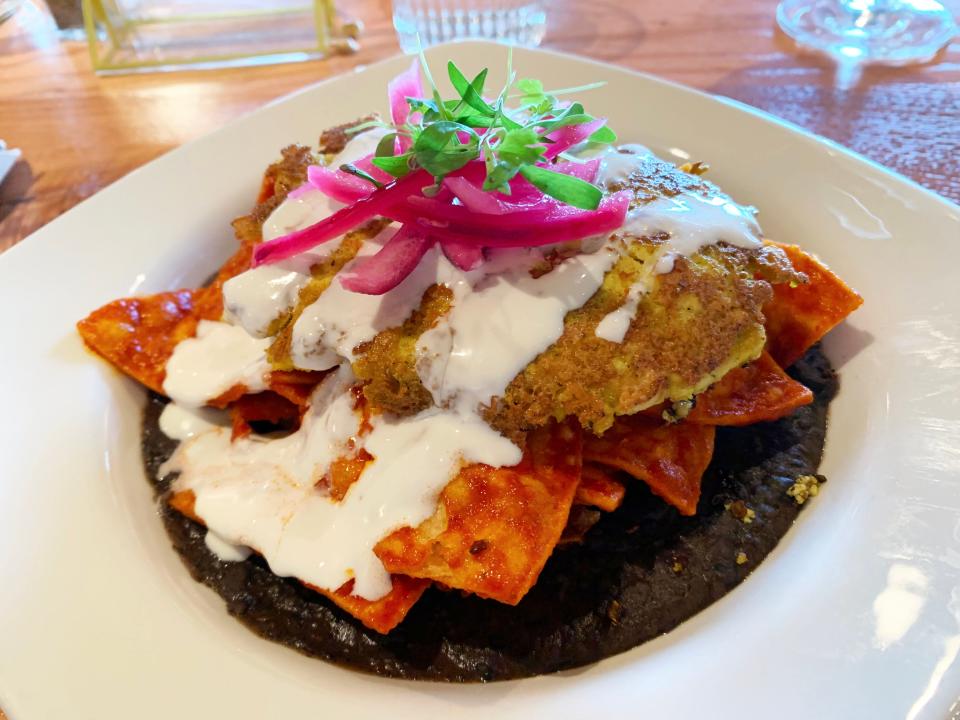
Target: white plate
{"points": [[856, 614]]}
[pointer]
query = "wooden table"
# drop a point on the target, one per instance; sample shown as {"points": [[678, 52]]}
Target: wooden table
{"points": [[79, 132]]}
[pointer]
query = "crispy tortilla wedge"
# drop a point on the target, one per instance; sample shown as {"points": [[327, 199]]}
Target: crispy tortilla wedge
{"points": [[799, 315], [381, 615], [138, 335], [495, 528], [599, 488], [754, 393], [671, 459]]}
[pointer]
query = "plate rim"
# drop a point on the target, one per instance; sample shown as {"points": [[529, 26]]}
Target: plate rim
{"points": [[806, 135]]}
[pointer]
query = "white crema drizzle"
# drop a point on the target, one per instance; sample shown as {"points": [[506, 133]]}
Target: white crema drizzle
{"points": [[264, 493], [255, 298], [329, 329], [220, 357], [267, 493], [692, 221], [501, 324]]}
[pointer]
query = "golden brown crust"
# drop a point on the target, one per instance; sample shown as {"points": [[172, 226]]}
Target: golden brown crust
{"points": [[695, 324], [321, 275], [335, 139], [280, 178], [386, 363]]}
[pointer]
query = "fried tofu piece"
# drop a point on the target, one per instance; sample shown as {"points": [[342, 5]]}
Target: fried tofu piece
{"points": [[695, 324], [495, 528], [381, 615], [669, 458], [800, 314]]}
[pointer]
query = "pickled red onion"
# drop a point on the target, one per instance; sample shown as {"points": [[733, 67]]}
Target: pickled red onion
{"points": [[464, 254], [404, 85], [567, 137], [388, 268], [343, 221]]}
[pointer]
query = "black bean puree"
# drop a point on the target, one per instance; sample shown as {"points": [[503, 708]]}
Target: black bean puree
{"points": [[639, 573]]}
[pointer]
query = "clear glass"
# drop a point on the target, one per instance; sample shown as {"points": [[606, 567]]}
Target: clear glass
{"points": [[153, 35], [891, 32], [421, 23], [8, 8]]}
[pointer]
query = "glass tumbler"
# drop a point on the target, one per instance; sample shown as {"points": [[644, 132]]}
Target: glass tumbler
{"points": [[8, 8], [892, 32], [421, 23]]}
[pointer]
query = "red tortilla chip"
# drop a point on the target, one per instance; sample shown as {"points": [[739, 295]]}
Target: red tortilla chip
{"points": [[295, 385], [495, 527], [228, 397], [599, 489], [381, 615], [264, 407], [344, 472], [797, 317], [755, 393], [671, 459], [384, 614], [137, 335]]}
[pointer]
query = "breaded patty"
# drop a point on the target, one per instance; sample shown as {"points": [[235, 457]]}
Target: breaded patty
{"points": [[695, 324]]}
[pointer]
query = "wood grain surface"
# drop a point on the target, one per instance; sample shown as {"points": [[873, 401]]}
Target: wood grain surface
{"points": [[80, 132]]}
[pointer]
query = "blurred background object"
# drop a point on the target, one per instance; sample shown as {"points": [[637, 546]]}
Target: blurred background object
{"points": [[421, 23], [149, 35], [889, 32], [8, 158], [8, 8]]}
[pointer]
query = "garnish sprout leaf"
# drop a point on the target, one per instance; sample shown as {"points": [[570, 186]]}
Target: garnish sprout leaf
{"points": [[604, 135], [471, 93], [499, 175], [531, 90], [386, 146], [565, 188], [520, 147], [439, 150], [397, 166], [363, 175]]}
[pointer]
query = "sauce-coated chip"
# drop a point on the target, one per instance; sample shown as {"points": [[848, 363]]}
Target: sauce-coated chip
{"points": [[381, 615], [137, 335], [495, 527], [754, 393], [798, 316], [671, 459], [599, 488]]}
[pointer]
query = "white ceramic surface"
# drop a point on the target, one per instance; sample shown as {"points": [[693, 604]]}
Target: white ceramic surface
{"points": [[856, 614]]}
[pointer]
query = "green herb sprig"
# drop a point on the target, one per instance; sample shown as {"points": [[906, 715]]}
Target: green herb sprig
{"points": [[451, 133]]}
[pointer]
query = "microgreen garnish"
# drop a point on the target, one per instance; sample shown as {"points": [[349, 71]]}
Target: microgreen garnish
{"points": [[442, 136], [354, 170]]}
